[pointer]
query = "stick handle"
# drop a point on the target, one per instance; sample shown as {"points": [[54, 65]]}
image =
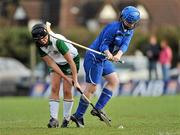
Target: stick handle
{"points": [[48, 25], [83, 95]]}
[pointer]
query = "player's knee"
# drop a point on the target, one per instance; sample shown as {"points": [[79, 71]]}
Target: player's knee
{"points": [[114, 82], [90, 89], [55, 90], [67, 93]]}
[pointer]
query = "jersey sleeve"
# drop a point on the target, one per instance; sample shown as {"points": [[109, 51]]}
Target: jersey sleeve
{"points": [[126, 42], [108, 37], [41, 52], [62, 47]]}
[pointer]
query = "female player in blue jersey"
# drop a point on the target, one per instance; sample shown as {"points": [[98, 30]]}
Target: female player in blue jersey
{"points": [[113, 40]]}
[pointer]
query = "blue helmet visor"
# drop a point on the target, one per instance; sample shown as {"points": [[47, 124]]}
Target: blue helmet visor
{"points": [[128, 25]]}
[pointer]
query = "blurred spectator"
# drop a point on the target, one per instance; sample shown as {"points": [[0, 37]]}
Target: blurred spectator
{"points": [[152, 53], [175, 72], [165, 58]]}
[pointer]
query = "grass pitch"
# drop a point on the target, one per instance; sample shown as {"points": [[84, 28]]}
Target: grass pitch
{"points": [[137, 115]]}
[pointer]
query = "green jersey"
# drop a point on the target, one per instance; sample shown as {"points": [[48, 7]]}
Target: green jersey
{"points": [[56, 48]]}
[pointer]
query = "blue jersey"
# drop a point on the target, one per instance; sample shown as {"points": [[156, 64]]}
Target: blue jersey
{"points": [[112, 38]]}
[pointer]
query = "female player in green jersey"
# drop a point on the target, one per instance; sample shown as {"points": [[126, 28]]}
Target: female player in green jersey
{"points": [[63, 61]]}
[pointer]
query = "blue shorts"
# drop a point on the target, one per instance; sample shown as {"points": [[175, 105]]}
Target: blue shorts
{"points": [[96, 68]]}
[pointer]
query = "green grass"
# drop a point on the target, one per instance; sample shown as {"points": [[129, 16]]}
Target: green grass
{"points": [[138, 115]]}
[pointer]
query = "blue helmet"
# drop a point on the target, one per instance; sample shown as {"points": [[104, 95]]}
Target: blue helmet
{"points": [[130, 16]]}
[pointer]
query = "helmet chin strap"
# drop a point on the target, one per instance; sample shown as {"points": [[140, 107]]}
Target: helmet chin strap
{"points": [[124, 28], [122, 24]]}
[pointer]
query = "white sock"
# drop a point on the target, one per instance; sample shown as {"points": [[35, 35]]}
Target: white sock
{"points": [[67, 108], [54, 108]]}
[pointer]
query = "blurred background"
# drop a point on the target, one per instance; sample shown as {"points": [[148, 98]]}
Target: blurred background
{"points": [[22, 73]]}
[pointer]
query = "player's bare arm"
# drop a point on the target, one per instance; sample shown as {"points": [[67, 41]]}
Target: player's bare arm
{"points": [[69, 59], [108, 55], [55, 67], [117, 56]]}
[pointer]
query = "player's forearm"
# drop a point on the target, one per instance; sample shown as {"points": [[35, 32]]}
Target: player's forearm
{"points": [[74, 71], [69, 59], [55, 68], [117, 57], [119, 54], [58, 71], [108, 55]]}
